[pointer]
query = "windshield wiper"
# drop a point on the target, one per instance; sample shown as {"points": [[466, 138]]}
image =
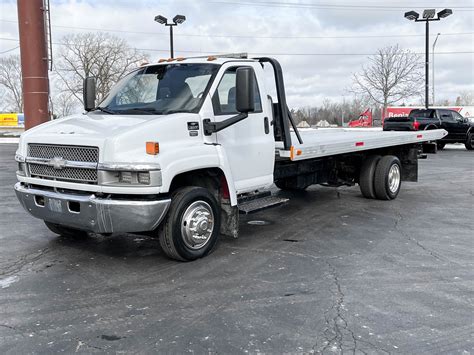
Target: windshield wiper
{"points": [[169, 112], [146, 111], [105, 109]]}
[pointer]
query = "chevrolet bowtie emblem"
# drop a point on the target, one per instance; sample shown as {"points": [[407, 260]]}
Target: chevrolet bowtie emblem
{"points": [[57, 163]]}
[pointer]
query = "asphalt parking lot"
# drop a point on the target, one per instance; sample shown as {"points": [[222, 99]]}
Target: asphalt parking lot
{"points": [[329, 272]]}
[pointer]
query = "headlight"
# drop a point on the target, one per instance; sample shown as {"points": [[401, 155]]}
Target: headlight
{"points": [[130, 178], [144, 178], [125, 177]]}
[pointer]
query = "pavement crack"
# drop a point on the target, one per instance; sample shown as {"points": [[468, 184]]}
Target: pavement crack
{"points": [[415, 241], [337, 328], [10, 269], [13, 328]]}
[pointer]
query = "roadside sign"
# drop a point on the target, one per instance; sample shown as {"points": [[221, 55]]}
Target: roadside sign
{"points": [[12, 120]]}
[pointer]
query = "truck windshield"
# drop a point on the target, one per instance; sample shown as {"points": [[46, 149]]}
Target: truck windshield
{"points": [[161, 89]]}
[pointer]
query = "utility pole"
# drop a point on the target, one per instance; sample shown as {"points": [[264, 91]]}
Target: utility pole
{"points": [[34, 61]]}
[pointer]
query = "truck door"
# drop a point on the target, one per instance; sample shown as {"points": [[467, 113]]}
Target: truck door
{"points": [[449, 124], [461, 127], [249, 144]]}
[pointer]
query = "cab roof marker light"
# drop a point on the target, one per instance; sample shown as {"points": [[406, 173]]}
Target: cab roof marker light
{"points": [[180, 59], [162, 60]]}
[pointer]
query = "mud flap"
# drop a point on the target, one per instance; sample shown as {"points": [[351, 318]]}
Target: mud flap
{"points": [[229, 220]]}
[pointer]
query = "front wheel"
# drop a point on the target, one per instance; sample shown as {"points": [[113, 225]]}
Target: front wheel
{"points": [[66, 231], [469, 142], [440, 145], [388, 178], [191, 228]]}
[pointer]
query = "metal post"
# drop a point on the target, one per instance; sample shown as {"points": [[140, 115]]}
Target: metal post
{"points": [[171, 41], [34, 62], [433, 71], [427, 64]]}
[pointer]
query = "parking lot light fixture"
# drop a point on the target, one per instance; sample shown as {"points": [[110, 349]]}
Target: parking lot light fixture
{"points": [[177, 20], [445, 13], [412, 15], [428, 15]]}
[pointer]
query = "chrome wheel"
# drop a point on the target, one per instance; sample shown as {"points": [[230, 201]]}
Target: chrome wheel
{"points": [[394, 178], [197, 225]]}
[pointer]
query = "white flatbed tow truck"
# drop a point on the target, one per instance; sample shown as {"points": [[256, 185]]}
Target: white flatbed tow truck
{"points": [[179, 147]]}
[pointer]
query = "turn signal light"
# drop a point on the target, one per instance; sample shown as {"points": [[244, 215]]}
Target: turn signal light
{"points": [[152, 148]]}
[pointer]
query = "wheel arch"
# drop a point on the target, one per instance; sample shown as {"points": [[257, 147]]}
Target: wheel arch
{"points": [[212, 178], [430, 127]]}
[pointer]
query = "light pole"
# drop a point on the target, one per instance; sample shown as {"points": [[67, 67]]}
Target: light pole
{"points": [[428, 15], [433, 69], [177, 20]]}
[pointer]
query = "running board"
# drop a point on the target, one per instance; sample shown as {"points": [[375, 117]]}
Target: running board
{"points": [[259, 204]]}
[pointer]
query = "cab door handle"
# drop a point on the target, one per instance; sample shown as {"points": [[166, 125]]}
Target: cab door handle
{"points": [[266, 125]]}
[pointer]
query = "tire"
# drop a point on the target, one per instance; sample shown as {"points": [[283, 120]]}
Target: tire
{"points": [[440, 145], [387, 179], [66, 231], [469, 141], [366, 177], [188, 204]]}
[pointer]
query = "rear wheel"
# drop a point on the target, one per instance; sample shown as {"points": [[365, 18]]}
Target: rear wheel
{"points": [[469, 142], [66, 231], [387, 179], [191, 227], [366, 177], [440, 145]]}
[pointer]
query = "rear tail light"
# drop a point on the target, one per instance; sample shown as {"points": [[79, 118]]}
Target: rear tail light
{"points": [[416, 125]]}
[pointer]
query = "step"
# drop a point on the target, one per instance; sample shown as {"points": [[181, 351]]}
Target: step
{"points": [[261, 204]]}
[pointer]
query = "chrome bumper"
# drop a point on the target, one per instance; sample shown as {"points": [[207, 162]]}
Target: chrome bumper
{"points": [[91, 213]]}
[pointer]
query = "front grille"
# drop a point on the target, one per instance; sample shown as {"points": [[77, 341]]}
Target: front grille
{"points": [[69, 174], [68, 152]]}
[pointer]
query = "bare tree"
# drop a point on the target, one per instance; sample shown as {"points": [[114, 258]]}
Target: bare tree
{"points": [[106, 57], [466, 98], [64, 104], [10, 81], [393, 74]]}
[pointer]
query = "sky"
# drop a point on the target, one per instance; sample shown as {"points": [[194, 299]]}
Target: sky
{"points": [[319, 43]]}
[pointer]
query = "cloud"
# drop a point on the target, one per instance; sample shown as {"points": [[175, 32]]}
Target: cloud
{"points": [[212, 27]]}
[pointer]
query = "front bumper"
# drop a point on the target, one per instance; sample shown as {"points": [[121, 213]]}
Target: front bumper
{"points": [[91, 213]]}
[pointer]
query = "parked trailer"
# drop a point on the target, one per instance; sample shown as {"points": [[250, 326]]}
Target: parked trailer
{"points": [[178, 147]]}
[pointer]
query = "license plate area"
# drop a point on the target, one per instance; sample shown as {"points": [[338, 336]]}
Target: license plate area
{"points": [[55, 205]]}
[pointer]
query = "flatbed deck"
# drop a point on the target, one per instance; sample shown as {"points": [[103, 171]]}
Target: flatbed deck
{"points": [[319, 143]]}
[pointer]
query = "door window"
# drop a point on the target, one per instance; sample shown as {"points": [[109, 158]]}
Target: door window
{"points": [[224, 99], [457, 116], [446, 116]]}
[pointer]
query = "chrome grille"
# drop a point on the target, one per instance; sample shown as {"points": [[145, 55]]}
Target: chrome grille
{"points": [[68, 174], [68, 152], [40, 156]]}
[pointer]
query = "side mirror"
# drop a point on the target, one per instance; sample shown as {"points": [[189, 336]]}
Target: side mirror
{"points": [[244, 87], [88, 92]]}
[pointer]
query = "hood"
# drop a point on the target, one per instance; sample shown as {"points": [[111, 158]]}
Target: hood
{"points": [[116, 135], [91, 125]]}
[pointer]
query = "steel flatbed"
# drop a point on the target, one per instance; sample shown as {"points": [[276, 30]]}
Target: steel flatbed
{"points": [[318, 143]]}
